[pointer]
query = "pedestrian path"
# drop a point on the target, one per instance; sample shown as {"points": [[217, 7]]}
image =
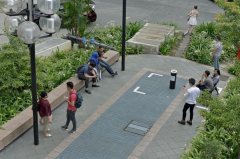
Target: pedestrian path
{"points": [[23, 148], [107, 138]]}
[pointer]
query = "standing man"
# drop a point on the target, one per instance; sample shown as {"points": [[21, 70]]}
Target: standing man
{"points": [[207, 83], [217, 53], [103, 63], [71, 109], [87, 72], [192, 94]]}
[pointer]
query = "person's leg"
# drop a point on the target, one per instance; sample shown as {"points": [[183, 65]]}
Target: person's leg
{"points": [[191, 28], [45, 124], [218, 63], [73, 119], [215, 59], [82, 77], [191, 111], [185, 108], [68, 119], [106, 66]]}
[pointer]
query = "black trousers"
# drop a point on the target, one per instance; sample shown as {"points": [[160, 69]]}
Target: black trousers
{"points": [[185, 108], [82, 77], [71, 116]]}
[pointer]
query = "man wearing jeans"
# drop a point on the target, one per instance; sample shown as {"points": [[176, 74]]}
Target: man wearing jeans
{"points": [[71, 110], [103, 63], [192, 94], [217, 53], [207, 83], [87, 72]]}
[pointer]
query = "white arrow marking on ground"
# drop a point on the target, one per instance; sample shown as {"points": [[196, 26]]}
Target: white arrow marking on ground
{"points": [[136, 91], [202, 107], [154, 74]]}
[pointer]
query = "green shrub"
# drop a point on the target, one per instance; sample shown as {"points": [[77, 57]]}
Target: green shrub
{"points": [[168, 43]]}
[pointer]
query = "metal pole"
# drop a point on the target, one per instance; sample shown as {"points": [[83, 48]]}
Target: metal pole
{"points": [[34, 94], [124, 33]]}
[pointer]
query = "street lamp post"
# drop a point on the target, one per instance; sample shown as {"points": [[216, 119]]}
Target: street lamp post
{"points": [[29, 33], [124, 33]]}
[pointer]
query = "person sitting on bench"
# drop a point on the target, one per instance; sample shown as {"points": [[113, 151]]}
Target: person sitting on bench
{"points": [[95, 57], [103, 63], [87, 72], [207, 83], [215, 78]]}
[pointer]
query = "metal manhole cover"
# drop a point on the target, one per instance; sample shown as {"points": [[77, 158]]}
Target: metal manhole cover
{"points": [[137, 128], [223, 78]]}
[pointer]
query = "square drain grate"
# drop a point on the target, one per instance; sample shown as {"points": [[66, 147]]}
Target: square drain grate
{"points": [[137, 128]]}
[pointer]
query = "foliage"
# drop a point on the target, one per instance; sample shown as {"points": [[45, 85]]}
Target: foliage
{"points": [[168, 43], [221, 124], [235, 69], [73, 18], [112, 35], [15, 82]]}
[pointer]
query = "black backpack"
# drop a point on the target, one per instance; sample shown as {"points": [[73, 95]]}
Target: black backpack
{"points": [[79, 68], [79, 100]]}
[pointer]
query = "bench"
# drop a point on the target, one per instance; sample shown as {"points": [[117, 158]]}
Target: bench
{"points": [[24, 120]]}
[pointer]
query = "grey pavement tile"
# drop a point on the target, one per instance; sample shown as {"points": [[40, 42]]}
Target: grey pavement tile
{"points": [[148, 150], [156, 149], [153, 144], [151, 156], [33, 157], [161, 142], [165, 147], [174, 145], [161, 154], [174, 157], [169, 152], [169, 140], [178, 151]]}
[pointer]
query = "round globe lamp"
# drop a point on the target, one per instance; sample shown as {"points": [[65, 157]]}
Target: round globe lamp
{"points": [[11, 6], [28, 32], [50, 25], [11, 23], [48, 7]]}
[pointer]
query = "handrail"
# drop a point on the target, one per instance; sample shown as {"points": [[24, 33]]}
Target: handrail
{"points": [[92, 41]]}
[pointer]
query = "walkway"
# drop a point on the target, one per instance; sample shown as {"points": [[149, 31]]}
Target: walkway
{"points": [[23, 146]]}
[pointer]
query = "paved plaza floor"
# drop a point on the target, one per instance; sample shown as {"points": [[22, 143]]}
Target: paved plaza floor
{"points": [[170, 135]]}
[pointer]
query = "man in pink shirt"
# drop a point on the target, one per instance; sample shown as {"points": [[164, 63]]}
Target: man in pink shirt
{"points": [[71, 110]]}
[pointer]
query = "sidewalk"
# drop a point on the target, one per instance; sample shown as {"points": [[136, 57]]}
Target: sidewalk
{"points": [[22, 148]]}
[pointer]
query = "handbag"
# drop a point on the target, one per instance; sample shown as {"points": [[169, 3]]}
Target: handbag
{"points": [[188, 18]]}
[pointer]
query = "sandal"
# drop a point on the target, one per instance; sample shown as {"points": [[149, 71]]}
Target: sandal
{"points": [[48, 135]]}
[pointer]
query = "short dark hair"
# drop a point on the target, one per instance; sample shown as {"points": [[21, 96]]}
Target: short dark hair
{"points": [[192, 81], [219, 38], [70, 84], [218, 71], [207, 72], [100, 47], [43, 94], [92, 63], [195, 7]]}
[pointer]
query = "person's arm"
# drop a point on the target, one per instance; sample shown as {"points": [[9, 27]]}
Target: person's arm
{"points": [[104, 56], [70, 102], [189, 13], [201, 83], [87, 76], [214, 51], [186, 93], [197, 15]]}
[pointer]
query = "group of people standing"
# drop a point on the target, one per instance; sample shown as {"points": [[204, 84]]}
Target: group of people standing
{"points": [[85, 72]]}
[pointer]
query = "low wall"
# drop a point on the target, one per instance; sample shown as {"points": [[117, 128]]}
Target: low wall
{"points": [[23, 121]]}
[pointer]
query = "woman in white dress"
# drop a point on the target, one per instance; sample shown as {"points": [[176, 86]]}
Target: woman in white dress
{"points": [[192, 19]]}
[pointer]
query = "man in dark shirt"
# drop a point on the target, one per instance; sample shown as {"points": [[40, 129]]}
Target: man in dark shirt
{"points": [[103, 63], [87, 72]]}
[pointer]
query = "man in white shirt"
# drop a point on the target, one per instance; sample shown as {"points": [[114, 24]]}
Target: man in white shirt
{"points": [[192, 94]]}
